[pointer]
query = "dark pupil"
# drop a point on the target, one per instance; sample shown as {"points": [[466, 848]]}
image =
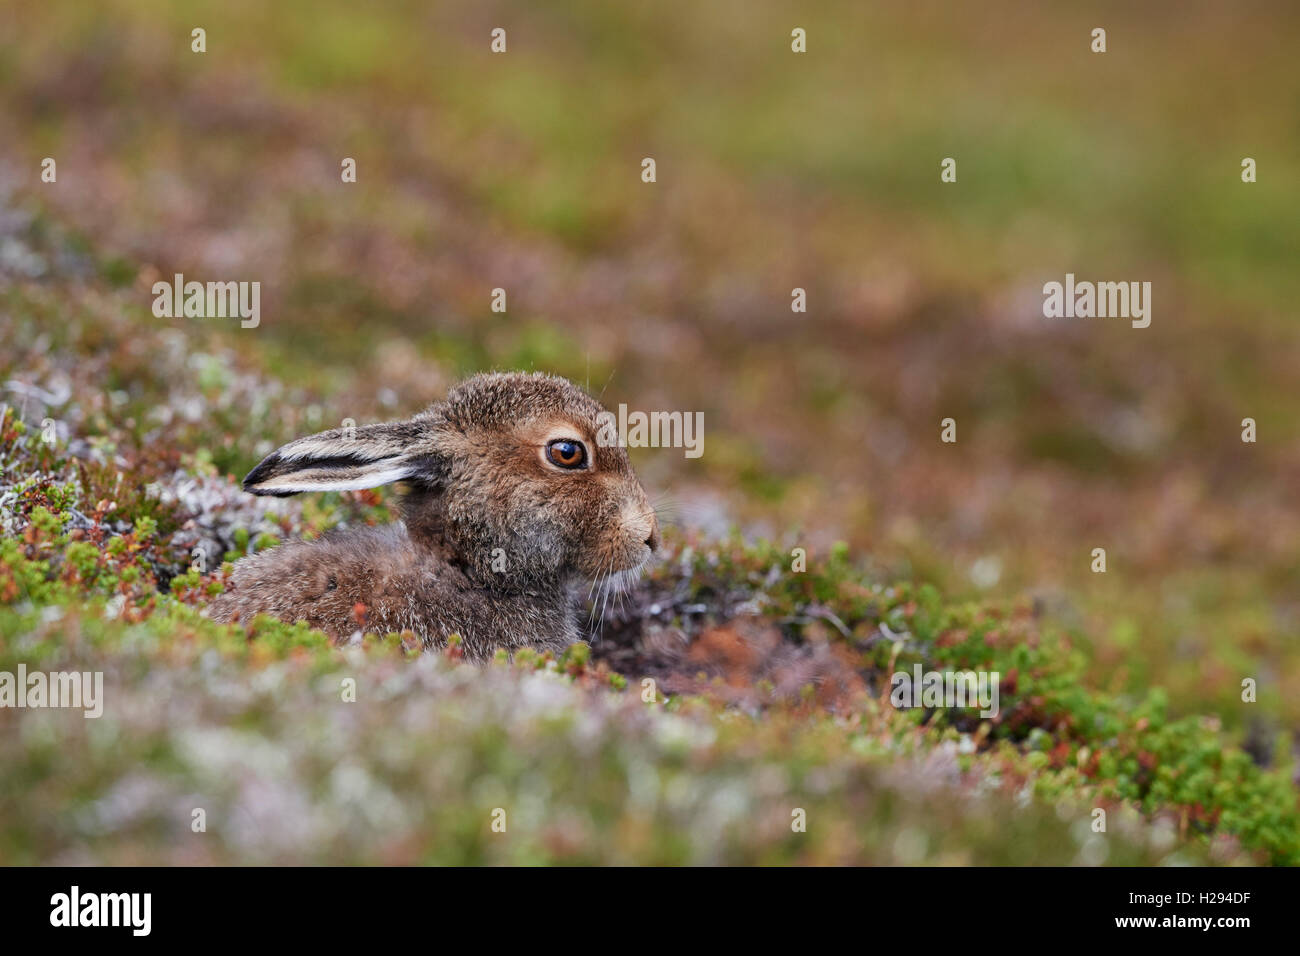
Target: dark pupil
{"points": [[566, 453]]}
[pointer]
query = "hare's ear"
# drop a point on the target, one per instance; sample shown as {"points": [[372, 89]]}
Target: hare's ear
{"points": [[344, 459]]}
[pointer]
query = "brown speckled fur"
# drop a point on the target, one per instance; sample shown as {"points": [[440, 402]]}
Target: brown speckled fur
{"points": [[475, 482]]}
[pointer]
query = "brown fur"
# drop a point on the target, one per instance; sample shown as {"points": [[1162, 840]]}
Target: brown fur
{"points": [[478, 492]]}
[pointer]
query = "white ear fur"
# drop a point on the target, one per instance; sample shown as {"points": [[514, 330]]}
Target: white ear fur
{"points": [[334, 479]]}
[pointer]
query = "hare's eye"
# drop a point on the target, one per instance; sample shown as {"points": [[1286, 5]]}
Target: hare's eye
{"points": [[566, 453]]}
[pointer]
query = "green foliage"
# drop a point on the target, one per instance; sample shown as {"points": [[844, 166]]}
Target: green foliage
{"points": [[1068, 744], [1075, 742]]}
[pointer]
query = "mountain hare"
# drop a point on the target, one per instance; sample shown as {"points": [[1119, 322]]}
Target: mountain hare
{"points": [[509, 502]]}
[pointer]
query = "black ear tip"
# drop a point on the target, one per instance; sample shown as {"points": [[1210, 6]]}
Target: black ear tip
{"points": [[260, 474]]}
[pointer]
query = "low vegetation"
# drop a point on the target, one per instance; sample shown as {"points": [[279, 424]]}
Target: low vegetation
{"points": [[733, 711]]}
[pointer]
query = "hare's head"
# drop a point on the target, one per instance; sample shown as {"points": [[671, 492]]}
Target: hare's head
{"points": [[507, 472]]}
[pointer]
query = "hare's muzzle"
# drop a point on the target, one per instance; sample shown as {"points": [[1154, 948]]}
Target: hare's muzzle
{"points": [[640, 528]]}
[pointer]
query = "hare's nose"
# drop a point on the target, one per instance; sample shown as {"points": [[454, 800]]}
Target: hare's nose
{"points": [[652, 542]]}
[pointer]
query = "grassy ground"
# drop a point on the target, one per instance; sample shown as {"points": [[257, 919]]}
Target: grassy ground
{"points": [[775, 171]]}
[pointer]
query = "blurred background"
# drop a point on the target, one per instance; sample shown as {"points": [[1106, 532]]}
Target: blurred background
{"points": [[775, 170]]}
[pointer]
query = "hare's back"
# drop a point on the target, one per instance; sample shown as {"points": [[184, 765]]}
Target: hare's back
{"points": [[323, 582]]}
